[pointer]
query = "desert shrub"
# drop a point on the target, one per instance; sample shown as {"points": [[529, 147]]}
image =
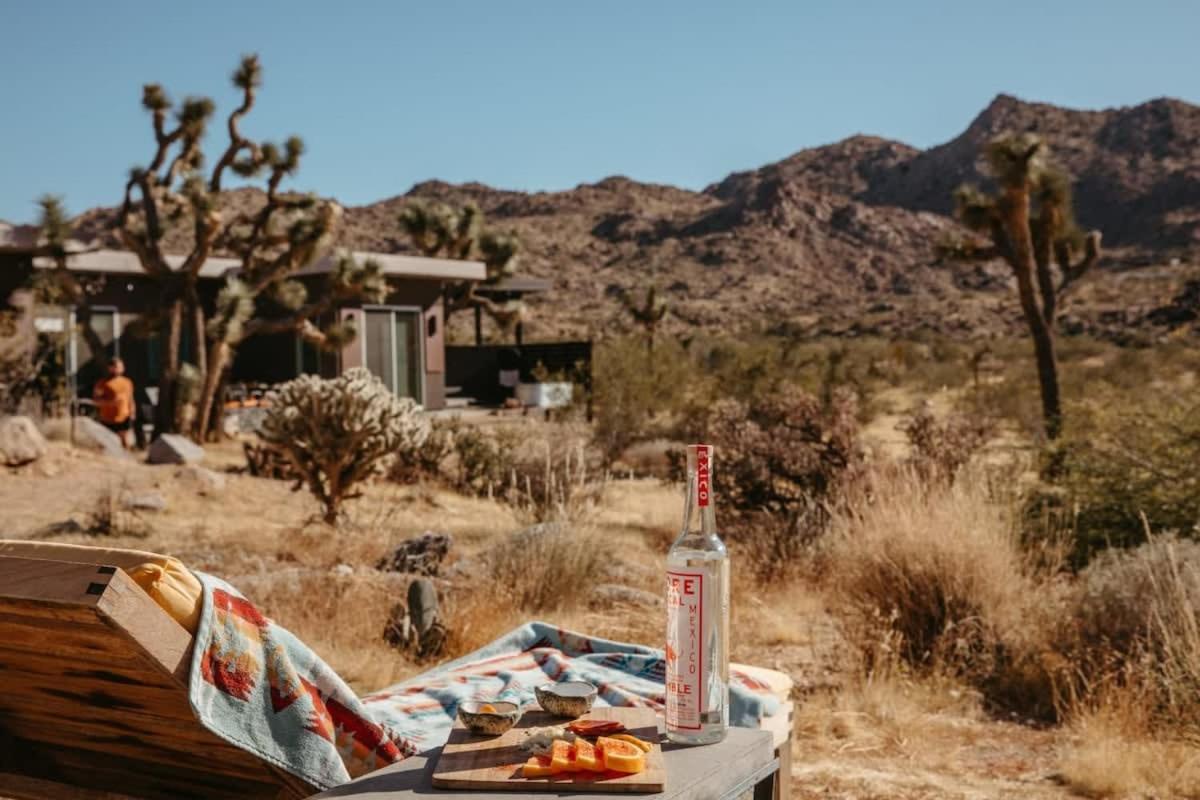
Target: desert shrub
{"points": [[554, 483], [1135, 620], [1129, 457], [782, 464], [426, 460], [337, 432], [484, 459], [544, 567], [941, 448], [937, 573], [638, 393]]}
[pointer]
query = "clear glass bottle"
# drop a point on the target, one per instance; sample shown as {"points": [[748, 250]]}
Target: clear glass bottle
{"points": [[698, 615]]}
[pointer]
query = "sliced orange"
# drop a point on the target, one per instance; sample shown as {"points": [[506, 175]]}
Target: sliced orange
{"points": [[620, 756], [537, 767], [586, 757], [487, 708], [645, 747], [560, 757]]}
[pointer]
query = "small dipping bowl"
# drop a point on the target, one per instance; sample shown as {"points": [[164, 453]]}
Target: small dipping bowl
{"points": [[489, 723], [566, 699]]}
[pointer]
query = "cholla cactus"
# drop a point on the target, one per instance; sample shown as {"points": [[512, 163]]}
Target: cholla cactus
{"points": [[338, 432]]}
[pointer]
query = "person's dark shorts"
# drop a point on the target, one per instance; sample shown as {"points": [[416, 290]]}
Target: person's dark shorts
{"points": [[119, 427]]}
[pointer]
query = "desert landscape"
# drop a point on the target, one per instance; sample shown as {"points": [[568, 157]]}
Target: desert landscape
{"points": [[951, 391]]}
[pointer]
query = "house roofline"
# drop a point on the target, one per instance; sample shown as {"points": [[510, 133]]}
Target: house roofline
{"points": [[124, 262]]}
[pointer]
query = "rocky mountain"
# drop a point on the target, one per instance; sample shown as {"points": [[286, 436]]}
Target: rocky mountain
{"points": [[841, 238]]}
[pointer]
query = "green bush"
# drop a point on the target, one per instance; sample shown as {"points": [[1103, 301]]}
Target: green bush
{"points": [[639, 393], [1130, 461]]}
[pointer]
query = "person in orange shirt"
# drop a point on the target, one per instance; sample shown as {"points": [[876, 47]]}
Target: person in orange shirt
{"points": [[114, 399]]}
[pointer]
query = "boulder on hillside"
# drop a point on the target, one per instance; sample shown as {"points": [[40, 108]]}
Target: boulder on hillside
{"points": [[91, 435], [20, 441], [201, 480], [171, 448]]}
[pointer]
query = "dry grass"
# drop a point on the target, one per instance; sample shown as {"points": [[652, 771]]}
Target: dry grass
{"points": [[1113, 753], [936, 572]]}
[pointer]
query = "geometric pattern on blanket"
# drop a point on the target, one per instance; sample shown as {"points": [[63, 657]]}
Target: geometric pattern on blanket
{"points": [[422, 709], [258, 687]]}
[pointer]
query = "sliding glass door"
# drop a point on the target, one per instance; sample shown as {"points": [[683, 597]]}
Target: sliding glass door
{"points": [[392, 349]]}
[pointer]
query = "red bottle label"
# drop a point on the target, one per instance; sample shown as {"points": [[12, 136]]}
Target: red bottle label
{"points": [[703, 486], [686, 677]]}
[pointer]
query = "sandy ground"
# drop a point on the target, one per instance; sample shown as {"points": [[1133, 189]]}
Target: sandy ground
{"points": [[850, 742]]}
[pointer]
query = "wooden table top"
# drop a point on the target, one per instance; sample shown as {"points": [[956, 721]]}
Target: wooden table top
{"points": [[726, 769]]}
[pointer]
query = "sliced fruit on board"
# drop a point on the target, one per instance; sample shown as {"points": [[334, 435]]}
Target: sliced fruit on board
{"points": [[560, 757], [586, 757], [620, 756], [537, 767]]}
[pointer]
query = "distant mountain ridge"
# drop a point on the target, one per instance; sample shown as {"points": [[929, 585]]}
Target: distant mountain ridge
{"points": [[839, 238]]}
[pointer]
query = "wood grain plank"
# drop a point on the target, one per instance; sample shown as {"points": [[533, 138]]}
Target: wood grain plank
{"points": [[60, 582], [146, 627], [470, 761], [22, 787]]}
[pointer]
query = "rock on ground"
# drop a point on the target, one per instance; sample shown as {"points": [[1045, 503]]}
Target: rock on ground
{"points": [[91, 435], [20, 441], [201, 480], [422, 555], [171, 448], [146, 501]]}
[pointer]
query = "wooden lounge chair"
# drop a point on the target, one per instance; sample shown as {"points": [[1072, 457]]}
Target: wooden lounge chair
{"points": [[93, 690]]}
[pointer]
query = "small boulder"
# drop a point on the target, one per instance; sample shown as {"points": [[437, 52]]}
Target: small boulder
{"points": [[20, 441], [201, 480], [91, 435], [420, 556], [145, 501], [171, 448]]}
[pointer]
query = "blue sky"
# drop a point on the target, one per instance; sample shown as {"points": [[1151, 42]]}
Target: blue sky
{"points": [[548, 95]]}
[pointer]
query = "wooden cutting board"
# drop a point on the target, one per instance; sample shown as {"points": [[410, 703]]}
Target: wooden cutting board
{"points": [[471, 761]]}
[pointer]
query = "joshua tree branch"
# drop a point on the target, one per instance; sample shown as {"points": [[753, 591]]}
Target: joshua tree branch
{"points": [[237, 142]]}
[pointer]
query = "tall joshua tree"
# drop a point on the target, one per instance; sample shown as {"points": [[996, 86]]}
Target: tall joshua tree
{"points": [[648, 314], [441, 231], [1030, 224], [272, 242]]}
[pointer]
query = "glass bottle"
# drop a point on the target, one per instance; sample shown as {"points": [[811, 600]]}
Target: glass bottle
{"points": [[697, 652]]}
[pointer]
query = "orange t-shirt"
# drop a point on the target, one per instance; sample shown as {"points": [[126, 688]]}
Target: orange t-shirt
{"points": [[114, 398]]}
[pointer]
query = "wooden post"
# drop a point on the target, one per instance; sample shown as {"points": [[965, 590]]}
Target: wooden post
{"points": [[520, 332], [478, 326]]}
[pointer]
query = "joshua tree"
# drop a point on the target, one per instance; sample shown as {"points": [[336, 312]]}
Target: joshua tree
{"points": [[1030, 224], [59, 284], [284, 234], [441, 231], [648, 314]]}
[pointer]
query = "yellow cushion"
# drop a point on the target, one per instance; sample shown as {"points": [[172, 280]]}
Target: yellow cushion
{"points": [[176, 590]]}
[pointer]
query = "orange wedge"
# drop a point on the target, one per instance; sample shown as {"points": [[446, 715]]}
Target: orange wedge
{"points": [[586, 757], [487, 708], [560, 757], [620, 756], [537, 767]]}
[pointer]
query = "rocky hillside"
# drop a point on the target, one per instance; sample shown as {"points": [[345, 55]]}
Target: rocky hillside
{"points": [[840, 238]]}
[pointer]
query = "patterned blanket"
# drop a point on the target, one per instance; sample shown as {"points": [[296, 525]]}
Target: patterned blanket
{"points": [[260, 688]]}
